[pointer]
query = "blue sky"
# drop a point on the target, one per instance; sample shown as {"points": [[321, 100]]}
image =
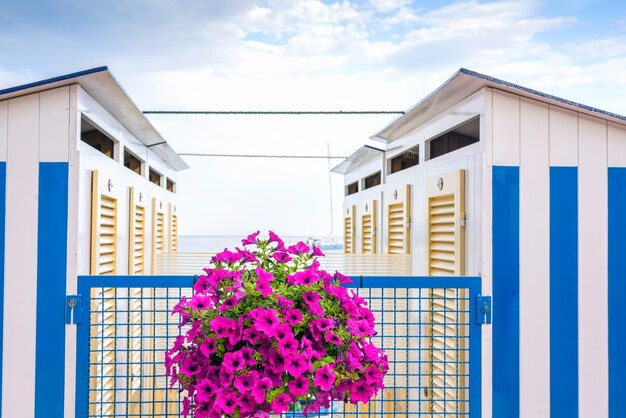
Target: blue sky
{"points": [[305, 54]]}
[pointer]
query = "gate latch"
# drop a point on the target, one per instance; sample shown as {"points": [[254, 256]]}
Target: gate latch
{"points": [[73, 309], [483, 309]]}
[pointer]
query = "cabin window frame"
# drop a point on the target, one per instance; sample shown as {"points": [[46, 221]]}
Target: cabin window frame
{"points": [[364, 185], [161, 176], [427, 143], [142, 163], [390, 160], [167, 185], [349, 190], [96, 127]]}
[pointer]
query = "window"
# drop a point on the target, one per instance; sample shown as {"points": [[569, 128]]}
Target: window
{"points": [[154, 177], [371, 181], [405, 160], [460, 137], [131, 162], [352, 188], [170, 186], [95, 138]]}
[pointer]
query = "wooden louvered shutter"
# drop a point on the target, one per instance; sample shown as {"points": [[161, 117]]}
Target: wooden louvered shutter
{"points": [[103, 262], [399, 222], [136, 266], [445, 251], [349, 230], [368, 228], [103, 229], [173, 229], [136, 234], [158, 231]]}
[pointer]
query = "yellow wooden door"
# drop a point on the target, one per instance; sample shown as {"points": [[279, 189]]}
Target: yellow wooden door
{"points": [[104, 224], [399, 221], [368, 227], [349, 230], [445, 197]]}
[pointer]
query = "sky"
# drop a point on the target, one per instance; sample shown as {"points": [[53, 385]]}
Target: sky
{"points": [[304, 55]]}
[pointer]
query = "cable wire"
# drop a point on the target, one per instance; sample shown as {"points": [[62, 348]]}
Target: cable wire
{"points": [[273, 112], [325, 157]]}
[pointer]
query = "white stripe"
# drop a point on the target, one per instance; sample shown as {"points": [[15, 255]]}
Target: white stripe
{"points": [[534, 282], [506, 129], [592, 269], [4, 127], [54, 124], [484, 206], [20, 297], [72, 251], [617, 145], [563, 137]]}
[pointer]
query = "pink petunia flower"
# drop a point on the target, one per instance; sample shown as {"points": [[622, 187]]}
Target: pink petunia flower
{"points": [[281, 403], [299, 386], [233, 361], [282, 331], [200, 302], [299, 248], [287, 346], [266, 320], [227, 402], [251, 239], [324, 378], [205, 390], [281, 257], [260, 389], [317, 252], [228, 257], [264, 287], [284, 302], [296, 364], [208, 347], [361, 392], [222, 327], [292, 316], [275, 238]]}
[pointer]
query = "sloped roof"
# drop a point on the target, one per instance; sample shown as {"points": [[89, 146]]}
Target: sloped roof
{"points": [[464, 83], [361, 156], [105, 89]]}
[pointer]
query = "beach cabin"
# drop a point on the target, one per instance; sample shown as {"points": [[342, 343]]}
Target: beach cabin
{"points": [[528, 191], [88, 187]]}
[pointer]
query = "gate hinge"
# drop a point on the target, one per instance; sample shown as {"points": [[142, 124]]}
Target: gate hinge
{"points": [[73, 309], [483, 309]]}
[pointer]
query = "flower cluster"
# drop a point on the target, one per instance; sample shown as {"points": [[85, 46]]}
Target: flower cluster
{"points": [[267, 328]]}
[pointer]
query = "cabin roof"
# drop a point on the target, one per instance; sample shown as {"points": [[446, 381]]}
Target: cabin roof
{"points": [[106, 90], [464, 83], [361, 156]]}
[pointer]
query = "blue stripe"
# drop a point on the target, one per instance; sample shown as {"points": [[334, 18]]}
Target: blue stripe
{"points": [[617, 292], [3, 189], [563, 292], [505, 183], [51, 285]]}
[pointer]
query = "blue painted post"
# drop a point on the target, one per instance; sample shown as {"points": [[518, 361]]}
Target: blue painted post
{"points": [[563, 292], [505, 219], [617, 292], [51, 285]]}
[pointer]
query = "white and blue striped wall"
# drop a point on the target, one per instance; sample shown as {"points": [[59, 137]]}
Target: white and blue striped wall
{"points": [[557, 262], [34, 132]]}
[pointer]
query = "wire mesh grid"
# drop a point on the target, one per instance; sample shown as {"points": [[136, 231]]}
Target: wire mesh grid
{"points": [[424, 331]]}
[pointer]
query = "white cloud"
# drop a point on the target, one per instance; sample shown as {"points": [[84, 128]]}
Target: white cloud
{"points": [[389, 5]]}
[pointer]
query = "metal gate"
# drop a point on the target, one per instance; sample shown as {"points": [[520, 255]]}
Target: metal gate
{"points": [[429, 327]]}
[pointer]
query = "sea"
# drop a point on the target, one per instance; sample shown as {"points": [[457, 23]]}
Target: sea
{"points": [[216, 243]]}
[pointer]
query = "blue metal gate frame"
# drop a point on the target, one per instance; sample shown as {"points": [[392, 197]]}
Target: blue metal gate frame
{"points": [[79, 313]]}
